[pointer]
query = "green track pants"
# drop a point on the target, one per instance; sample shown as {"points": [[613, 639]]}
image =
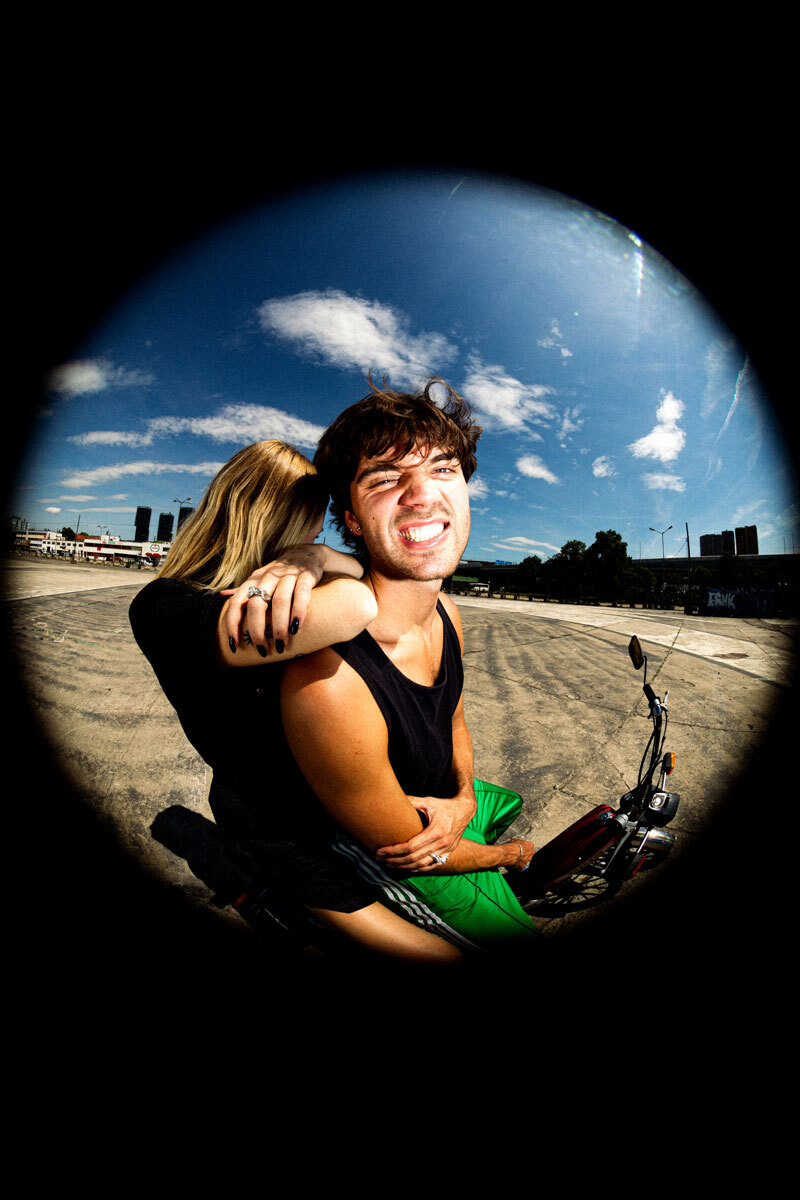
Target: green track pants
{"points": [[479, 906]]}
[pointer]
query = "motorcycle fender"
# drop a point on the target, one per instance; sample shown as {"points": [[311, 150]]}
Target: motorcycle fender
{"points": [[578, 844]]}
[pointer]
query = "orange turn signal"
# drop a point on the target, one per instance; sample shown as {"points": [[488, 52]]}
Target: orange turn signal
{"points": [[668, 763]]}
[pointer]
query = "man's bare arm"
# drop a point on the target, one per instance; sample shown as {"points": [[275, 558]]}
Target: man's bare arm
{"points": [[339, 739]]}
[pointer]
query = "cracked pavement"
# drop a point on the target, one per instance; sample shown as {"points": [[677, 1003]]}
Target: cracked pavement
{"points": [[553, 704]]}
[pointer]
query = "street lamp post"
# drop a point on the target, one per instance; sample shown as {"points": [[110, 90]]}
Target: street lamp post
{"points": [[662, 532], [180, 504]]}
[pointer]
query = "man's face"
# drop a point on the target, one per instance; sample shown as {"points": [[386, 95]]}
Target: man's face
{"points": [[413, 514]]}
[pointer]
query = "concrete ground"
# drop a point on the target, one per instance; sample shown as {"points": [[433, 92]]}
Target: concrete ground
{"points": [[553, 704]]}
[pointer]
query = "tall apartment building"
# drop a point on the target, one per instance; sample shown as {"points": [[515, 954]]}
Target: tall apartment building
{"points": [[142, 533], [747, 540], [165, 523], [183, 515], [710, 543], [743, 541]]}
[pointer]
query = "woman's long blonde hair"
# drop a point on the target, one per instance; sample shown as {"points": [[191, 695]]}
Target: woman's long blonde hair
{"points": [[266, 498]]}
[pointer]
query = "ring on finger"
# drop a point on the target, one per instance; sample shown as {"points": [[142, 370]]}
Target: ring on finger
{"points": [[257, 591], [441, 859]]}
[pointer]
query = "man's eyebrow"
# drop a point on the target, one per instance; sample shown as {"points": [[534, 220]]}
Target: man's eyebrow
{"points": [[376, 469], [388, 464]]}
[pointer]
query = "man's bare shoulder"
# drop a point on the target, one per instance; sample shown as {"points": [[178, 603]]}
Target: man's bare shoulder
{"points": [[451, 608], [322, 677], [323, 700]]}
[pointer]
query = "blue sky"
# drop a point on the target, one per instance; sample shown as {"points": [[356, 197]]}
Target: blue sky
{"points": [[611, 395]]}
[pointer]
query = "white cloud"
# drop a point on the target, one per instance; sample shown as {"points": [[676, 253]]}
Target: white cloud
{"points": [[742, 376], [238, 424], [523, 543], [570, 422], [79, 499], [718, 371], [109, 437], [99, 475], [353, 333], [477, 488], [748, 510], [789, 518], [85, 376], [665, 440], [603, 467], [714, 466], [243, 424], [669, 483], [51, 508], [505, 401], [555, 341], [532, 466]]}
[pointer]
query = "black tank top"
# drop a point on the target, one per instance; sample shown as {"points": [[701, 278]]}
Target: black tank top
{"points": [[419, 718]]}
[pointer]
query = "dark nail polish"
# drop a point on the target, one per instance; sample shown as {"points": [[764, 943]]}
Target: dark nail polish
{"points": [[232, 645], [279, 646], [261, 651], [295, 625]]}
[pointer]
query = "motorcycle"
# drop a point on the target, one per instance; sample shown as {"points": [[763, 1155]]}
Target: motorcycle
{"points": [[612, 844]]}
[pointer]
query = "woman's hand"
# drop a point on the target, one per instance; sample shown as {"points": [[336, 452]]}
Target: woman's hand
{"points": [[287, 584]]}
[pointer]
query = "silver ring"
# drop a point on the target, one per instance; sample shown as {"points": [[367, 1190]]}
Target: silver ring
{"points": [[441, 859], [256, 591]]}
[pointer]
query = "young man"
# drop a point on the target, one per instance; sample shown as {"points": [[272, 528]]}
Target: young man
{"points": [[377, 724]]}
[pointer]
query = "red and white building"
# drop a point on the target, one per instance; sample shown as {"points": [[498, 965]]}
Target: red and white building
{"points": [[86, 548]]}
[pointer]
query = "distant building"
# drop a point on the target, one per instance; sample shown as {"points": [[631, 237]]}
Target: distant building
{"points": [[43, 541], [142, 533], [165, 523], [710, 543], [747, 540], [717, 543], [183, 515], [743, 540], [88, 548]]}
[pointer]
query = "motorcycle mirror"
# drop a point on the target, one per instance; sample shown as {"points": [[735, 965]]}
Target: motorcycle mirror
{"points": [[635, 651]]}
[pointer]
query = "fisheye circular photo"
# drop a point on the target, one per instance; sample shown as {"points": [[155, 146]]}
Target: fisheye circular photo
{"points": [[403, 570]]}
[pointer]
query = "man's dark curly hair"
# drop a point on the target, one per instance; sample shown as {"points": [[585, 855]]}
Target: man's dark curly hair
{"points": [[388, 420]]}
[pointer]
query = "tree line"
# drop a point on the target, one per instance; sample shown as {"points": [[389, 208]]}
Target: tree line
{"points": [[605, 573]]}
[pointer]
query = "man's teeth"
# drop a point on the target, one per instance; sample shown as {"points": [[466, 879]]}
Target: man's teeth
{"points": [[422, 533]]}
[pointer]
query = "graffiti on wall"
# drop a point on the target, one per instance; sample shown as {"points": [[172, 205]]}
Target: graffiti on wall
{"points": [[740, 602]]}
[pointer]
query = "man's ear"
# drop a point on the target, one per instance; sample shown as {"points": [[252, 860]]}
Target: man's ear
{"points": [[351, 523]]}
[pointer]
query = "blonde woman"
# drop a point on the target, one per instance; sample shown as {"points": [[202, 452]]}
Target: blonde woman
{"points": [[243, 590]]}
